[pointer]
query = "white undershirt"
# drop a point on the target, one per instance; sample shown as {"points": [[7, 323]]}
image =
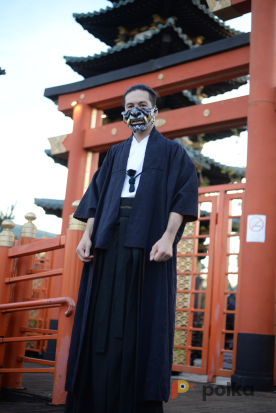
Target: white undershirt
{"points": [[135, 161]]}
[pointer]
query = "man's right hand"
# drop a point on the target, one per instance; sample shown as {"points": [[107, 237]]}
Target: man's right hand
{"points": [[83, 249]]}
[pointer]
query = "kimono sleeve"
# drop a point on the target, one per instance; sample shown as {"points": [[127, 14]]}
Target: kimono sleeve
{"points": [[88, 204], [185, 196]]}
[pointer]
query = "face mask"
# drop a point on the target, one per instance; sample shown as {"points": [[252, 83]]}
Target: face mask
{"points": [[139, 120]]}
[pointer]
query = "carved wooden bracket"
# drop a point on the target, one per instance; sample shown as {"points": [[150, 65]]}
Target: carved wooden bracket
{"points": [[223, 9], [57, 146]]}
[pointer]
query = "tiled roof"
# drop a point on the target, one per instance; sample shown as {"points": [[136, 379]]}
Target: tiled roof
{"points": [[150, 66], [56, 158], [133, 52], [208, 163], [39, 233], [223, 87], [195, 18], [213, 136], [50, 206]]}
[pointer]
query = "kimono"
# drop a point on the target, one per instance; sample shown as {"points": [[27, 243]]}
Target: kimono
{"points": [[168, 183]]}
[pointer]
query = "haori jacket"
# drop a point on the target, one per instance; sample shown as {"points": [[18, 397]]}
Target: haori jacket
{"points": [[168, 183]]}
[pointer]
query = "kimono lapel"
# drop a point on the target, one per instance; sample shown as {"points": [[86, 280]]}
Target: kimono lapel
{"points": [[143, 205]]}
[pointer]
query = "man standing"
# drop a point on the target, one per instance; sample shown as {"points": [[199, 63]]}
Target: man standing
{"points": [[136, 207]]}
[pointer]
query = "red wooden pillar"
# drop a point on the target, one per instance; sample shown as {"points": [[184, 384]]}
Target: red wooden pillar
{"points": [[80, 160], [76, 161], [255, 345], [71, 277], [82, 165]]}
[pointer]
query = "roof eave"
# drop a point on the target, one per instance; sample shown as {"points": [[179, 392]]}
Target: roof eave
{"points": [[175, 59]]}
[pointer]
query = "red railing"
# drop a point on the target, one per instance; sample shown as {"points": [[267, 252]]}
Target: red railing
{"points": [[16, 279]]}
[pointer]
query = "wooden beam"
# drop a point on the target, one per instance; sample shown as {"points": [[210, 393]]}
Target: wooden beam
{"points": [[189, 121], [243, 6], [35, 247], [209, 70], [229, 9]]}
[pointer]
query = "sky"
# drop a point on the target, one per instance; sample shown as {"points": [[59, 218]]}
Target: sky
{"points": [[35, 36]]}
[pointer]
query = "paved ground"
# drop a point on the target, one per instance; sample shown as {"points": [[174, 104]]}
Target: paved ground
{"points": [[37, 393]]}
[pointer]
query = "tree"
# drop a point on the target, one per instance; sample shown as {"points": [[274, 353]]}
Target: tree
{"points": [[7, 215]]}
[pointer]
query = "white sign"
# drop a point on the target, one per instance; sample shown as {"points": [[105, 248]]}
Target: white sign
{"points": [[255, 228], [227, 361]]}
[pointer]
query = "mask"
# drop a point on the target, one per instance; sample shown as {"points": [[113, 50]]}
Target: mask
{"points": [[139, 120]]}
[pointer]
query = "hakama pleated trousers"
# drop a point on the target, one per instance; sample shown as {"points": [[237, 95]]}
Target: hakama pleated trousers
{"points": [[106, 380]]}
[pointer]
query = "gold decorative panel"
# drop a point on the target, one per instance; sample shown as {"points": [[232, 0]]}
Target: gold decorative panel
{"points": [[184, 282], [180, 337], [182, 300], [184, 264], [185, 246], [179, 356], [181, 318], [189, 229]]}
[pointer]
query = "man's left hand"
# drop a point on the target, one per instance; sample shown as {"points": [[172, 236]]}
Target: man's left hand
{"points": [[162, 249]]}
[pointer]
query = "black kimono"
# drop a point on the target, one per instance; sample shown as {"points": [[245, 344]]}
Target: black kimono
{"points": [[168, 184]]}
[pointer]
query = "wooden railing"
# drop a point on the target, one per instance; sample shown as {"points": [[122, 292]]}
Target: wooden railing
{"points": [[16, 277]]}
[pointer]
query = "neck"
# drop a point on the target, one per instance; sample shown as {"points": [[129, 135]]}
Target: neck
{"points": [[141, 135]]}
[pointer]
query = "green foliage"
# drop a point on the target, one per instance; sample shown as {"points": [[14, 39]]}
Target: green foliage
{"points": [[7, 215]]}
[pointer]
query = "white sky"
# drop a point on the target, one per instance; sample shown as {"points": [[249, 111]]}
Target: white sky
{"points": [[35, 37]]}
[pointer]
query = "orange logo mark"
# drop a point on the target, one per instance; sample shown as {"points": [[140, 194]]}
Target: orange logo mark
{"points": [[180, 386]]}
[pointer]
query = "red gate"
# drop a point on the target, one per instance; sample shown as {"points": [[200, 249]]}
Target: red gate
{"points": [[207, 281]]}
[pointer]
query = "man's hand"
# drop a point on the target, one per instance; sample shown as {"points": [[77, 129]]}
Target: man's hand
{"points": [[83, 249], [162, 249]]}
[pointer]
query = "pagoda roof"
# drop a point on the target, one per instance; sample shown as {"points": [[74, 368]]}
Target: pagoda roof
{"points": [[160, 63], [216, 172], [168, 39], [39, 233], [194, 18], [50, 206], [213, 136], [222, 87], [58, 159]]}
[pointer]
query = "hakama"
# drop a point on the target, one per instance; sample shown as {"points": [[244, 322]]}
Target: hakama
{"points": [[106, 380]]}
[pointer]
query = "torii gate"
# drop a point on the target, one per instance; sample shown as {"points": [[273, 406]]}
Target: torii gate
{"points": [[218, 61]]}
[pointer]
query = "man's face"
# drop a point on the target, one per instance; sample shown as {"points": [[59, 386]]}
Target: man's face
{"points": [[139, 98], [139, 113]]}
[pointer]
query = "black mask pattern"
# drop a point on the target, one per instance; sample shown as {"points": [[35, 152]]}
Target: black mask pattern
{"points": [[139, 119]]}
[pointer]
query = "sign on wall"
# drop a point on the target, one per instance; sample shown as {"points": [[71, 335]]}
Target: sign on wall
{"points": [[256, 228]]}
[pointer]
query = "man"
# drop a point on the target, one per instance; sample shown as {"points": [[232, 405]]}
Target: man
{"points": [[136, 208]]}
